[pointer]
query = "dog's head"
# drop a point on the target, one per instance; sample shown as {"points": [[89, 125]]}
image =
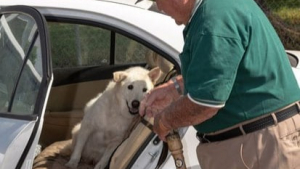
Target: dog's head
{"points": [[133, 84]]}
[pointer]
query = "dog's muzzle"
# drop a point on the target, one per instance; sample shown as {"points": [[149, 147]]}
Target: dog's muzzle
{"points": [[134, 107]]}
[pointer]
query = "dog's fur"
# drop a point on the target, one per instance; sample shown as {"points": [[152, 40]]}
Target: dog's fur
{"points": [[108, 116]]}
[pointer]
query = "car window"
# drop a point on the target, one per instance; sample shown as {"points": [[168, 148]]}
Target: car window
{"points": [[29, 83], [129, 51], [78, 45], [20, 63]]}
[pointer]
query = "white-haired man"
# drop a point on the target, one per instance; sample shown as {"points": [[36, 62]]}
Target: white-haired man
{"points": [[237, 87]]}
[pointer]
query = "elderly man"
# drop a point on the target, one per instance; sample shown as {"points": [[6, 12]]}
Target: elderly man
{"points": [[237, 87]]}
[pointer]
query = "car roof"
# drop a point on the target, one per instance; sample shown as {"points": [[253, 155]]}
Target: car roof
{"points": [[145, 4], [136, 19]]}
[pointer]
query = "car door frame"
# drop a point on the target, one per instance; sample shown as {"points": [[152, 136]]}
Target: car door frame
{"points": [[44, 89]]}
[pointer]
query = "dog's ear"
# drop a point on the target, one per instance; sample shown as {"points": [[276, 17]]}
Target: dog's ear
{"points": [[119, 76], [154, 74]]}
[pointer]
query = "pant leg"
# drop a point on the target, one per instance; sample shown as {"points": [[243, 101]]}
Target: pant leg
{"points": [[276, 147], [288, 135]]}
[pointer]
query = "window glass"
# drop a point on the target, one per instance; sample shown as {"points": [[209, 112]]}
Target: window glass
{"points": [[74, 45], [29, 84], [129, 51], [16, 35]]}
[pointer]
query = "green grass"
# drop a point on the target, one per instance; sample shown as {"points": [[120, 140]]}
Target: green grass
{"points": [[277, 4], [287, 10], [290, 16], [285, 16]]}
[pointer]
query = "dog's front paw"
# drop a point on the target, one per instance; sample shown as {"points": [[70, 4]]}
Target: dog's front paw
{"points": [[72, 164]]}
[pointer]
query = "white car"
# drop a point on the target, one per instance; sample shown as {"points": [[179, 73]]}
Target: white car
{"points": [[55, 55]]}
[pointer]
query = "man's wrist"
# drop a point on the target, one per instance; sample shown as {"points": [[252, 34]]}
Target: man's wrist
{"points": [[176, 85]]}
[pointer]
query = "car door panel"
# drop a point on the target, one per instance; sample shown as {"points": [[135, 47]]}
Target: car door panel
{"points": [[25, 77], [17, 134]]}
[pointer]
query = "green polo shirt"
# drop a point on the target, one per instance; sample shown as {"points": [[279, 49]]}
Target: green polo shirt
{"points": [[233, 58]]}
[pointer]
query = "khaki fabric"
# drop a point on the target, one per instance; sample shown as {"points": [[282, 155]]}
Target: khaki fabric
{"points": [[275, 147], [74, 96], [56, 156], [58, 126], [130, 146]]}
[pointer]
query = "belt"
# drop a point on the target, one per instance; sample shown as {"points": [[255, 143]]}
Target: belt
{"points": [[252, 126]]}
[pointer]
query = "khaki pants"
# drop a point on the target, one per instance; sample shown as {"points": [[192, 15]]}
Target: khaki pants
{"points": [[275, 147]]}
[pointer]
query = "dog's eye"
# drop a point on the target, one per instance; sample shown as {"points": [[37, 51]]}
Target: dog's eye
{"points": [[144, 89], [130, 87]]}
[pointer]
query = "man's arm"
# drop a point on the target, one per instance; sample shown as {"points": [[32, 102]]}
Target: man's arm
{"points": [[181, 113]]}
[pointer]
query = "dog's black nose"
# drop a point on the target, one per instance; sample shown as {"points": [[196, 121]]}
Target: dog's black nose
{"points": [[135, 103]]}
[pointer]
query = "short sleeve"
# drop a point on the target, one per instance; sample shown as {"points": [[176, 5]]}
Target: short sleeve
{"points": [[212, 67]]}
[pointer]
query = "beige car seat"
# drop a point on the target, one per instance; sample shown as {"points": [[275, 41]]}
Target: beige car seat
{"points": [[126, 151]]}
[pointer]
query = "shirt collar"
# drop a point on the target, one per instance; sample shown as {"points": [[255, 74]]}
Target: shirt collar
{"points": [[196, 5]]}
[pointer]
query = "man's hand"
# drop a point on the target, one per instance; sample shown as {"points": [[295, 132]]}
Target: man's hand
{"points": [[155, 103], [160, 127], [157, 100]]}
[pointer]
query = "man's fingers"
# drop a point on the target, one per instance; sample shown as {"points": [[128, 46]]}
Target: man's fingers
{"points": [[150, 98], [145, 107], [163, 138], [149, 112], [159, 129], [142, 108], [145, 103]]}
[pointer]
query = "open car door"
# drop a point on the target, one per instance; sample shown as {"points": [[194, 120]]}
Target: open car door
{"points": [[25, 80]]}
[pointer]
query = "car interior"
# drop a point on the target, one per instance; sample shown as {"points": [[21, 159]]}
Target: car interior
{"points": [[76, 83]]}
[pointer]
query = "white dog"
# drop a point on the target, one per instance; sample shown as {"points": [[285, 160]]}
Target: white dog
{"points": [[108, 116]]}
